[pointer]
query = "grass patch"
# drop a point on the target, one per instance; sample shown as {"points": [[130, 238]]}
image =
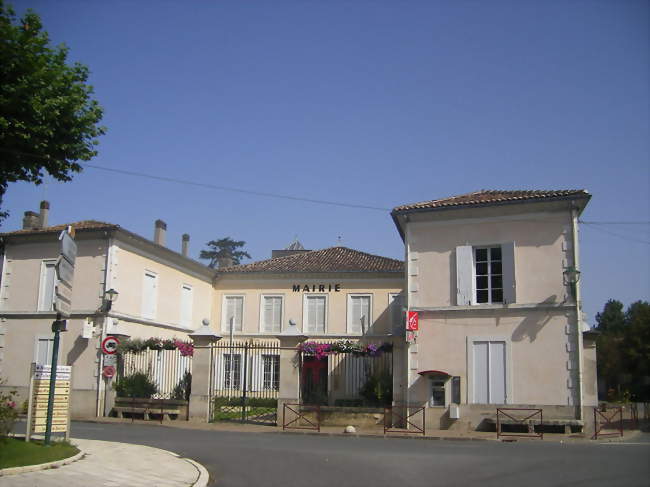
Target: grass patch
{"points": [[19, 453]]}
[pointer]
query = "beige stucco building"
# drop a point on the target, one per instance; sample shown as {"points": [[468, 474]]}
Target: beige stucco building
{"points": [[492, 276], [500, 322], [161, 294]]}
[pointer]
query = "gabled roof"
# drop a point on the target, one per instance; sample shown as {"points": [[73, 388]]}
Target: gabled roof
{"points": [[490, 197], [82, 225], [333, 259]]}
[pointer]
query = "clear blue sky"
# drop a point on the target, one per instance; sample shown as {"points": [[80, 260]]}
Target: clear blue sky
{"points": [[373, 103]]}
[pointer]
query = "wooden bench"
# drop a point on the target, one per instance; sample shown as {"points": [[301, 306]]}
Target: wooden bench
{"points": [[147, 407]]}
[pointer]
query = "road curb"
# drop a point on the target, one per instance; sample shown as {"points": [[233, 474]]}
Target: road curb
{"points": [[204, 476]]}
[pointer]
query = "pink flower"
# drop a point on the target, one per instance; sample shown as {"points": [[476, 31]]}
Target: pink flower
{"points": [[11, 404]]}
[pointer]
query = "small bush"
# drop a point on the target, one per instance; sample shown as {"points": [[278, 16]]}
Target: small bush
{"points": [[183, 389], [8, 411], [136, 385], [378, 389]]}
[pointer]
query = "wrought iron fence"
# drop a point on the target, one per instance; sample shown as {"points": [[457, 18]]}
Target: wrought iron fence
{"points": [[244, 382]]}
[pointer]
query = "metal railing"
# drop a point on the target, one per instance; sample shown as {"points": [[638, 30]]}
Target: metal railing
{"points": [[244, 381], [605, 417], [531, 417], [405, 417], [295, 416]]}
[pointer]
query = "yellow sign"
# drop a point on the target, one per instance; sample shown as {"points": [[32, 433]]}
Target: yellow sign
{"points": [[56, 428]]}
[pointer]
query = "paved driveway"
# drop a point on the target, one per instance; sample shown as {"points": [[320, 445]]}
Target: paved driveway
{"points": [[285, 460]]}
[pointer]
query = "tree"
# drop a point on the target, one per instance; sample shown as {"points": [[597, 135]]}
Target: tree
{"points": [[222, 250], [48, 120], [624, 348]]}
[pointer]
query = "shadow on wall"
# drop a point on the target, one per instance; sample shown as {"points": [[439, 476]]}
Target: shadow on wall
{"points": [[532, 324], [80, 345]]}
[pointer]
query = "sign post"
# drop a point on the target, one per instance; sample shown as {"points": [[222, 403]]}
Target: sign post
{"points": [[62, 305]]}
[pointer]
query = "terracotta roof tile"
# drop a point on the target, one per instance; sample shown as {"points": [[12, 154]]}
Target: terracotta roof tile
{"points": [[82, 225], [333, 259], [486, 197]]}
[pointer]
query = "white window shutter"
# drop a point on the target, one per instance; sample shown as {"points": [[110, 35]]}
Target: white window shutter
{"points": [[509, 283], [464, 273]]}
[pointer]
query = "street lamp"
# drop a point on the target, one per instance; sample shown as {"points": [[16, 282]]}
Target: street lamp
{"points": [[571, 277], [110, 297]]}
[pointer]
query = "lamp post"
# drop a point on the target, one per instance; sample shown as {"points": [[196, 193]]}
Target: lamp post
{"points": [[110, 297], [571, 277]]}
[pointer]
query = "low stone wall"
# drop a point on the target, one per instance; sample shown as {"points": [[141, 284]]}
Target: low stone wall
{"points": [[479, 417]]}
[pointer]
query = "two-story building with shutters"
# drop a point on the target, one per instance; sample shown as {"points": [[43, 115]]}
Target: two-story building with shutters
{"points": [[162, 293], [494, 278], [325, 296]]}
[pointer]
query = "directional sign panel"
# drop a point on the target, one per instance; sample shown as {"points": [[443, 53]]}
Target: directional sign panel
{"points": [[68, 247], [64, 271]]}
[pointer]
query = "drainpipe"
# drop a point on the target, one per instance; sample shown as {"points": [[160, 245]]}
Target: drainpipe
{"points": [[100, 366], [578, 302]]}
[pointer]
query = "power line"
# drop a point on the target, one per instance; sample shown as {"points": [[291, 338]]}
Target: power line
{"points": [[284, 196], [609, 232], [615, 223], [235, 190]]}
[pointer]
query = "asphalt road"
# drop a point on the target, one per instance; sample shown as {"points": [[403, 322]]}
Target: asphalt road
{"points": [[286, 460]]}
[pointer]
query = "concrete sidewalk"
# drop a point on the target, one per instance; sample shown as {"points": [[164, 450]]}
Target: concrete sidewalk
{"points": [[113, 464], [376, 431]]}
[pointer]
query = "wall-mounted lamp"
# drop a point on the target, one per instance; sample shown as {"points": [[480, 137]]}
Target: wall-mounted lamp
{"points": [[110, 297], [571, 277]]}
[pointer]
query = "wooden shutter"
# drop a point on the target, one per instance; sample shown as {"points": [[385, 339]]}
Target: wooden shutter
{"points": [[272, 313], [464, 273], [149, 295], [186, 305], [508, 263]]}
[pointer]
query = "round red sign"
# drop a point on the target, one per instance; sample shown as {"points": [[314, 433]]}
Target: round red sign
{"points": [[109, 345], [109, 371]]}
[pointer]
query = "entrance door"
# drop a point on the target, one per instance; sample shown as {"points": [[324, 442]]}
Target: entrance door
{"points": [[313, 380], [489, 374]]}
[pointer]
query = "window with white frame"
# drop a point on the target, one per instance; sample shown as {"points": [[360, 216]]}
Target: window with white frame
{"points": [[485, 274], [397, 318], [271, 366], [232, 371], [149, 294], [359, 313], [488, 271], [314, 313], [47, 285], [186, 305], [271, 314], [43, 347], [233, 313]]}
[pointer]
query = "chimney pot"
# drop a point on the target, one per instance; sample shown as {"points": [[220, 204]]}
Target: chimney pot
{"points": [[31, 220], [45, 212], [185, 245], [159, 232]]}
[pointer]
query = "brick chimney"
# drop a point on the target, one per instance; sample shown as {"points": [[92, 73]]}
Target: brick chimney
{"points": [[31, 220], [185, 245], [45, 213], [159, 232]]}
